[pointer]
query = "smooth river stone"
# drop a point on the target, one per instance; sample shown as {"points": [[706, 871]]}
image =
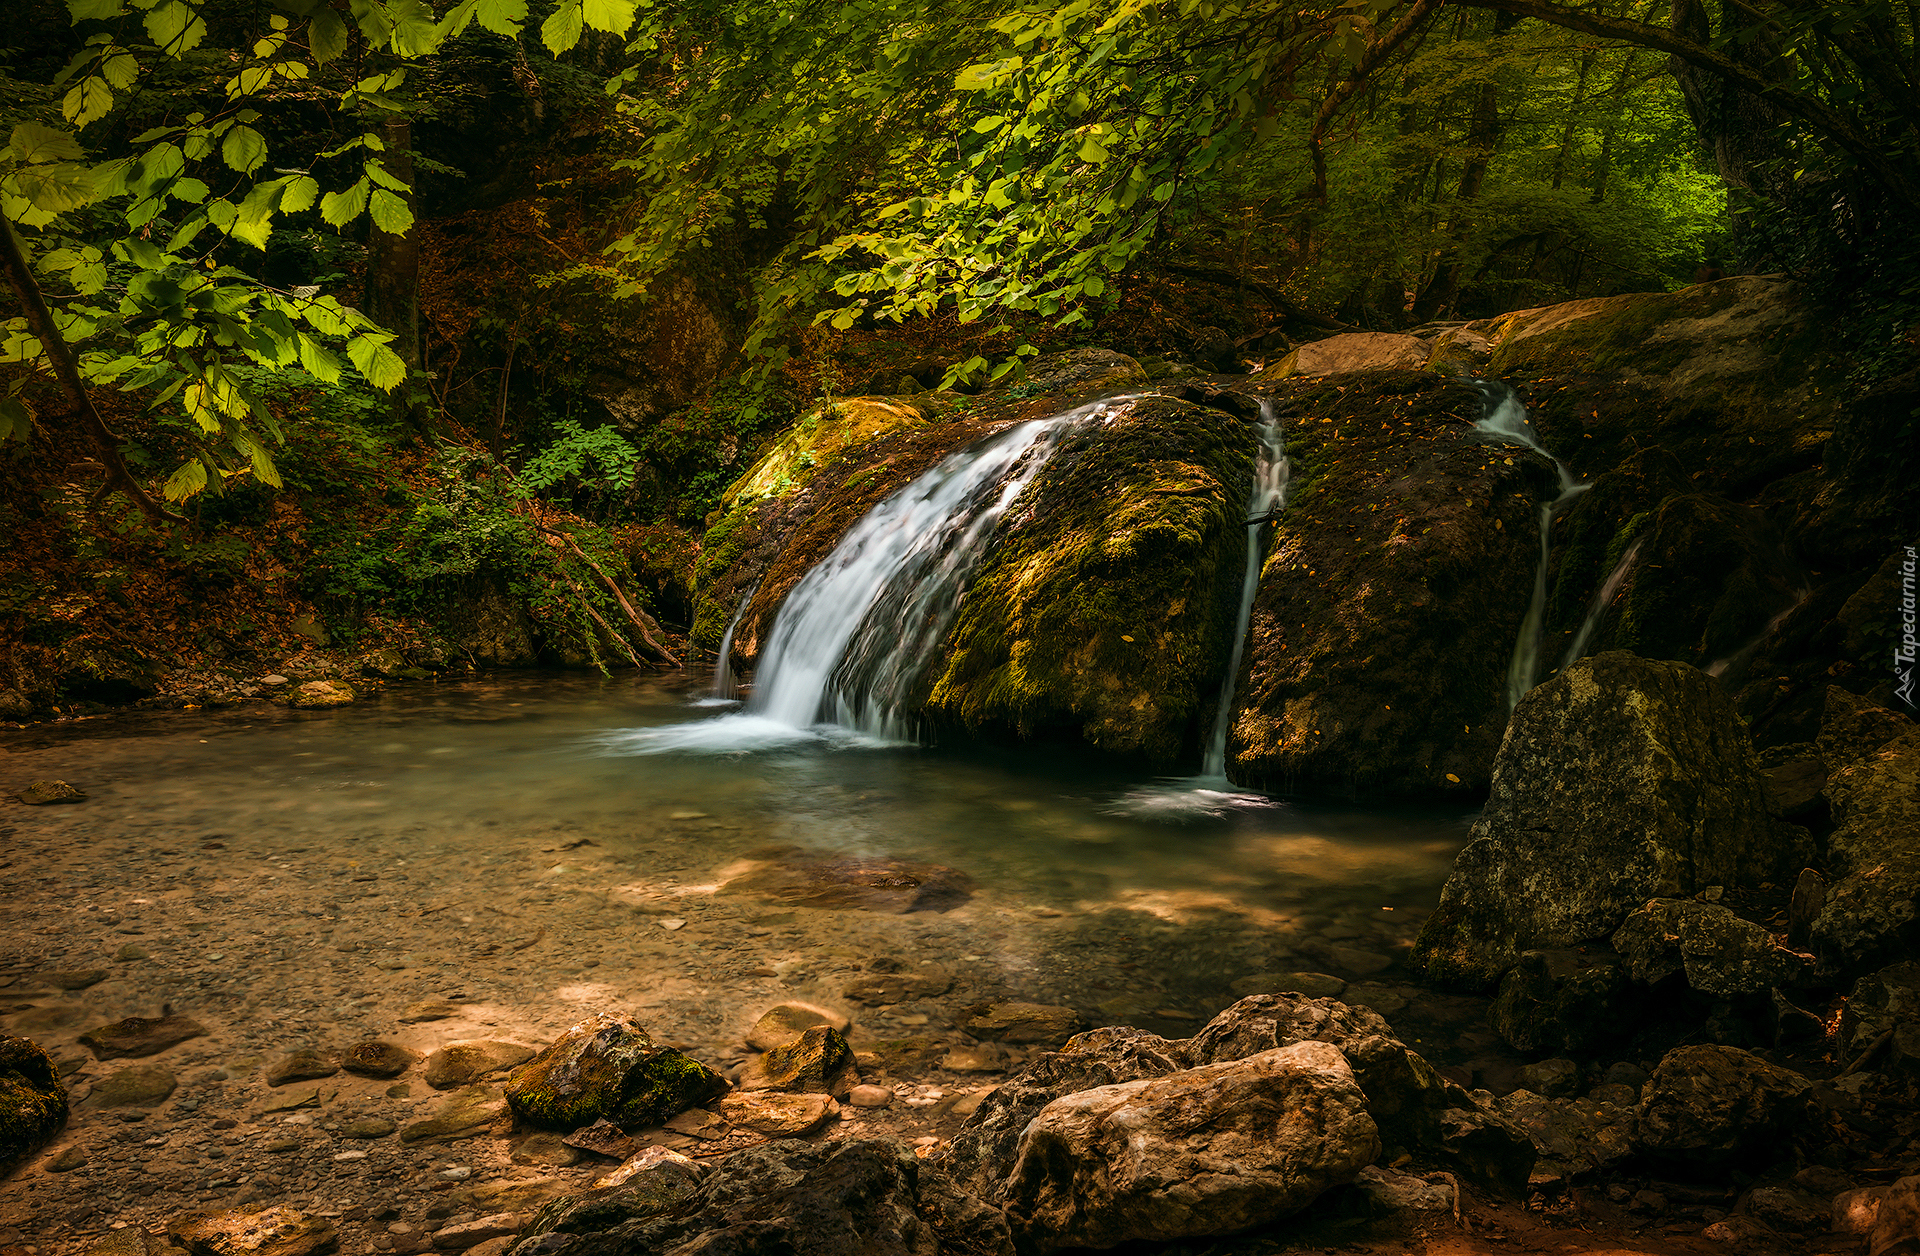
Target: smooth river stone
{"points": [[137, 1036]]}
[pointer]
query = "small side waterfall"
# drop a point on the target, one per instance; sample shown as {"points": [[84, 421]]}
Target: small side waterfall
{"points": [[1506, 420], [1270, 474], [725, 688], [1601, 600]]}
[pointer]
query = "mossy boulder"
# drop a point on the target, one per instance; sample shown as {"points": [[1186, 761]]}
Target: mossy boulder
{"points": [[818, 1061], [1873, 783], [1620, 780], [817, 439], [33, 1102], [1393, 592], [607, 1066], [1106, 610]]}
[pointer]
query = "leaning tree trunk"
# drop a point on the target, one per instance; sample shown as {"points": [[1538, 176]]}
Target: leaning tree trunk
{"points": [[1742, 131]]}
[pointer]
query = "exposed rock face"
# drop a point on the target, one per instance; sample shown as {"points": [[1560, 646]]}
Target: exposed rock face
{"points": [[1573, 1136], [1873, 783], [1120, 1163], [33, 1102], [1708, 1106], [1355, 351], [1078, 373], [1393, 591], [607, 1066], [1106, 608], [1620, 780], [1719, 952], [808, 1199]]}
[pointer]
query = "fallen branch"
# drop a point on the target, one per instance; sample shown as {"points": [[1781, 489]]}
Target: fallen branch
{"points": [[641, 621], [586, 604]]}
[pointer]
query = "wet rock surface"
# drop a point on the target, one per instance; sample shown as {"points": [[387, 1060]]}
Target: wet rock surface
{"points": [[33, 1103], [607, 1066]]}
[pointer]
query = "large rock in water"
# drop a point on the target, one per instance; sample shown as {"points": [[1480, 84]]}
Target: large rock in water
{"points": [[607, 1066], [1213, 1150], [1393, 591], [33, 1103], [1106, 609], [1620, 780]]}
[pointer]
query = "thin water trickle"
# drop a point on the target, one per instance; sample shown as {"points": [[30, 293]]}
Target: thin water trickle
{"points": [[1601, 600], [725, 688], [1505, 419]]}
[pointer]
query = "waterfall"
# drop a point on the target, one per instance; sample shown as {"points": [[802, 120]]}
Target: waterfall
{"points": [[1601, 600], [855, 634], [725, 689], [1505, 420], [1270, 473]]}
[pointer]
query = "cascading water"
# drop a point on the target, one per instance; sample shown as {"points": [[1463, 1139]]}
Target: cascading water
{"points": [[1505, 419], [1211, 794], [857, 631], [1270, 473], [1601, 600], [725, 688]]}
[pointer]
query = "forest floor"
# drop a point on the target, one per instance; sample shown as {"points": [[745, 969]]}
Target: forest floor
{"points": [[160, 895]]}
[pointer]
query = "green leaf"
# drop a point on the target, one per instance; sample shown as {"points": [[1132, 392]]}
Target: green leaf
{"points": [[176, 28], [326, 35], [254, 223], [185, 482], [1090, 150], [561, 31], [244, 149], [94, 10], [340, 208], [16, 421], [377, 364], [300, 194], [57, 188], [390, 213], [87, 101], [32, 142], [613, 16], [317, 362], [502, 17], [120, 70], [221, 213]]}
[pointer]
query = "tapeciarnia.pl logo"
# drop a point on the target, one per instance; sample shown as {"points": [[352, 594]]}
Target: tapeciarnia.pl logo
{"points": [[1903, 653]]}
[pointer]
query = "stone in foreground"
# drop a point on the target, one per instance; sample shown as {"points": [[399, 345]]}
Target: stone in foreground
{"points": [[463, 1063], [607, 1066], [376, 1059], [818, 1061], [1211, 1151], [1720, 953], [33, 1103], [874, 1198], [272, 1232], [1621, 779], [43, 793], [784, 1022]]}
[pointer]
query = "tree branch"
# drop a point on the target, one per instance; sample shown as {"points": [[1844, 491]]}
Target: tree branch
{"points": [[1816, 113], [1379, 50], [66, 371]]}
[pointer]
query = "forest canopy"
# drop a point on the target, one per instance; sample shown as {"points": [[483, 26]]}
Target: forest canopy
{"points": [[204, 196]]}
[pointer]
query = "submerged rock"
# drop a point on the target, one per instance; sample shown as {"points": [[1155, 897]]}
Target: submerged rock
{"points": [[139, 1035], [42, 793], [784, 1022], [1620, 780], [1707, 1107], [376, 1059], [301, 1066], [1021, 1022], [789, 874], [321, 694], [142, 1086], [276, 1231], [806, 1199], [607, 1066], [33, 1102], [464, 1114], [463, 1063], [1120, 1163]]}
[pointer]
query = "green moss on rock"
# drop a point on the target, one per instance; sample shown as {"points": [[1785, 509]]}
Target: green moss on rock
{"points": [[1105, 609], [33, 1102], [607, 1066]]}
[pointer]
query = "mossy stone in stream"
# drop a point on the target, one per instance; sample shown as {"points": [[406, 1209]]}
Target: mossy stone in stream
{"points": [[33, 1103], [607, 1066]]}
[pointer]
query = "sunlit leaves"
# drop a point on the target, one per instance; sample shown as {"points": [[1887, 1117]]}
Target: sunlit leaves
{"points": [[244, 149], [562, 29], [175, 27], [342, 207], [390, 213], [377, 364]]}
